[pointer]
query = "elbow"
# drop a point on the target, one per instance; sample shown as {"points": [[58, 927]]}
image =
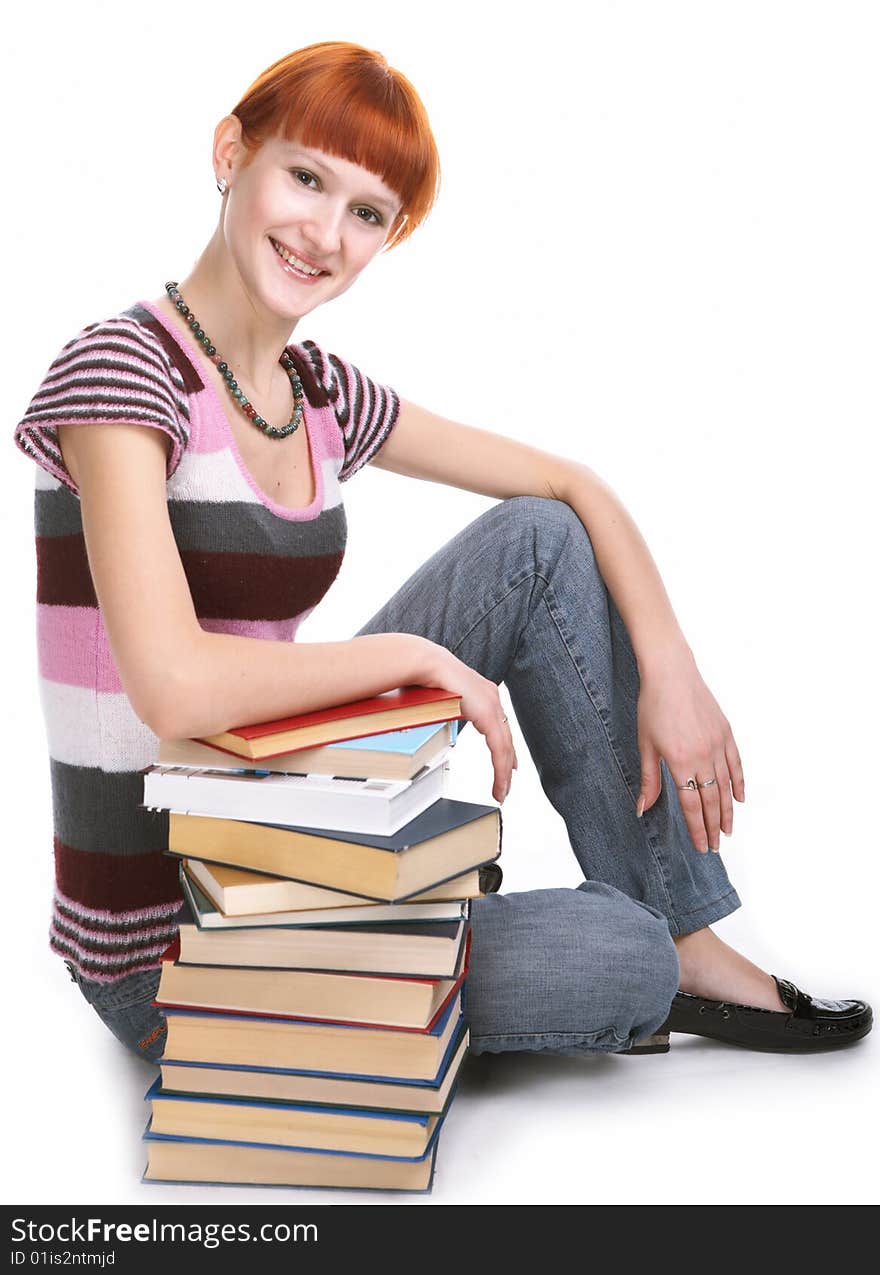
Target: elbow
{"points": [[168, 702]]}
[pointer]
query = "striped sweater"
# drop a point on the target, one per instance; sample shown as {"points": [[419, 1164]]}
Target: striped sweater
{"points": [[254, 568]]}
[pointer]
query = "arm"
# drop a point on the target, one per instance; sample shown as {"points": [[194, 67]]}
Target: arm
{"points": [[424, 445], [183, 681], [678, 718]]}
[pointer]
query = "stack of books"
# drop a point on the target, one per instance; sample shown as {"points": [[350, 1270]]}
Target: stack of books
{"points": [[314, 1004]]}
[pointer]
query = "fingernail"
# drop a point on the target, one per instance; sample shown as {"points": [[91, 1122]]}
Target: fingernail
{"points": [[717, 849], [640, 807]]}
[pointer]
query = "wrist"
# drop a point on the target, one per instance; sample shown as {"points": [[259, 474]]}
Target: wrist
{"points": [[425, 659], [663, 657]]}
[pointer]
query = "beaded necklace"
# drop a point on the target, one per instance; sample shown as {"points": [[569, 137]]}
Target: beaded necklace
{"points": [[229, 379]]}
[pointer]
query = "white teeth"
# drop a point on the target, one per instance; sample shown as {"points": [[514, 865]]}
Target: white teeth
{"points": [[292, 260]]}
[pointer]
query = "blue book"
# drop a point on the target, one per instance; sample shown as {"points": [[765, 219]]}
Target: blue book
{"points": [[396, 1135], [287, 1084], [213, 1163], [309, 1045]]}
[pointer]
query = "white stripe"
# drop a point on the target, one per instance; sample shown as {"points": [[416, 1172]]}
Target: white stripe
{"points": [[212, 477], [332, 491], [44, 481], [89, 728]]}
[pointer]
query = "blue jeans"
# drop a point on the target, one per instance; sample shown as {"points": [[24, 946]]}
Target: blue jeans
{"points": [[517, 595]]}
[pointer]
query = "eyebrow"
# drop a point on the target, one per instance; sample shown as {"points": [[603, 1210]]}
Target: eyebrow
{"points": [[374, 199]]}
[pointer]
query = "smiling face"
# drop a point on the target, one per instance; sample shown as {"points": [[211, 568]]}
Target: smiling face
{"points": [[293, 207]]}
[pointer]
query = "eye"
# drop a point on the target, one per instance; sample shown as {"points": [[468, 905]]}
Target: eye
{"points": [[377, 220], [302, 172]]}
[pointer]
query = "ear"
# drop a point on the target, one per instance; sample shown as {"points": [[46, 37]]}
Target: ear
{"points": [[228, 146]]}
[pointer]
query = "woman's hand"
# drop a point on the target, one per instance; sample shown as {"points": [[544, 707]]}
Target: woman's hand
{"points": [[480, 704], [680, 721]]}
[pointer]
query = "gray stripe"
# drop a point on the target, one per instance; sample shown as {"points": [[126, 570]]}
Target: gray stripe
{"points": [[208, 527], [99, 812], [57, 513], [240, 527]]}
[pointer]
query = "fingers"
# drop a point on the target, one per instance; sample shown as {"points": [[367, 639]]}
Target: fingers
{"points": [[692, 809], [500, 740], [708, 807], [734, 766]]}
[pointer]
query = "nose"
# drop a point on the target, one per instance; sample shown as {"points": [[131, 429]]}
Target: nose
{"points": [[323, 230]]}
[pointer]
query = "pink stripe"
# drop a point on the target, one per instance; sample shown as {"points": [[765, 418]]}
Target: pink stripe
{"points": [[108, 959], [137, 964], [112, 938], [211, 430], [72, 648], [276, 630], [157, 914]]}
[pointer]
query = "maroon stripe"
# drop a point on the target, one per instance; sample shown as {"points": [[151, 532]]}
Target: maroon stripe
{"points": [[111, 883], [63, 575], [250, 586]]}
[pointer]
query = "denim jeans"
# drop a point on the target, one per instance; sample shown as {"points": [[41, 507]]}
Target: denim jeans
{"points": [[517, 595]]}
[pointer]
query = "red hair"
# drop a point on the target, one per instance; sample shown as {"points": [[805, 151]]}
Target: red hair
{"points": [[346, 100]]}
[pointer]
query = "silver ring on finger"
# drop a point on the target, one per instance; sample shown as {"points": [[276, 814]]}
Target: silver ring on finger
{"points": [[708, 783], [690, 784]]}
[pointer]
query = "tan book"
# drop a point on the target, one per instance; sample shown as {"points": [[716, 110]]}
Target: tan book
{"points": [[444, 841], [291, 1086], [392, 710], [339, 997], [212, 1162], [356, 1052], [351, 762], [285, 1124], [239, 893], [431, 949]]}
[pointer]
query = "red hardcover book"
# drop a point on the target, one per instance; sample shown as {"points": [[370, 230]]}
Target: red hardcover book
{"points": [[395, 1004], [392, 710]]}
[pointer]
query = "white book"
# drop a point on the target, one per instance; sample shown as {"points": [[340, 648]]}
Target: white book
{"points": [[377, 806]]}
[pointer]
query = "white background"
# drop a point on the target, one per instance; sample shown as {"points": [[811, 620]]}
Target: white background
{"points": [[655, 251]]}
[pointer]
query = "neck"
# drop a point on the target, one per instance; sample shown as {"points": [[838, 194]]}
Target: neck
{"points": [[250, 338]]}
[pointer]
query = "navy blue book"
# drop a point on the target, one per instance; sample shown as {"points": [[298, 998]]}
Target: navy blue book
{"points": [[214, 1163], [286, 1084], [257, 1040], [446, 840], [399, 1135]]}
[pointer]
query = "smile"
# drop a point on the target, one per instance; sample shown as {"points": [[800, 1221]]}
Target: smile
{"points": [[293, 265]]}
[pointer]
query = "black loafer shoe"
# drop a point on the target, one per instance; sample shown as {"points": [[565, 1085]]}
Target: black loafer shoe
{"points": [[490, 878], [809, 1024]]}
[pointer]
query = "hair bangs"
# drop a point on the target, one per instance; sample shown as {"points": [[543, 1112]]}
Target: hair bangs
{"points": [[346, 100]]}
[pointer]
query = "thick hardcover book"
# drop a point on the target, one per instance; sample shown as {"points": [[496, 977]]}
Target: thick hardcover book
{"points": [[318, 801], [277, 1084], [382, 1000], [356, 1051], [303, 1126], [393, 710], [392, 754], [207, 917], [236, 892], [215, 1163], [426, 949], [447, 839]]}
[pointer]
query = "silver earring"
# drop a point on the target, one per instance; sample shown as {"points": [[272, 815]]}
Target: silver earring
{"points": [[222, 184]]}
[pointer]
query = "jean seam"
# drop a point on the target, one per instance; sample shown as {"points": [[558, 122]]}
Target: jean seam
{"points": [[488, 611], [585, 682]]}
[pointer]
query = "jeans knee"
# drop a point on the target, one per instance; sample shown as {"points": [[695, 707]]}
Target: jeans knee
{"points": [[550, 523], [650, 980]]}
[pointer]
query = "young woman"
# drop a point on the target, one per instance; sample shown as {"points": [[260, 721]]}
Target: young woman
{"points": [[189, 515]]}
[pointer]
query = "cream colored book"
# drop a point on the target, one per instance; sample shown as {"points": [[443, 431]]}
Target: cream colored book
{"points": [[236, 892], [292, 1086]]}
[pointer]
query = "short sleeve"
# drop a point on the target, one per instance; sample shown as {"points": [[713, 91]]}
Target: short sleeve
{"points": [[115, 372], [365, 410]]}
